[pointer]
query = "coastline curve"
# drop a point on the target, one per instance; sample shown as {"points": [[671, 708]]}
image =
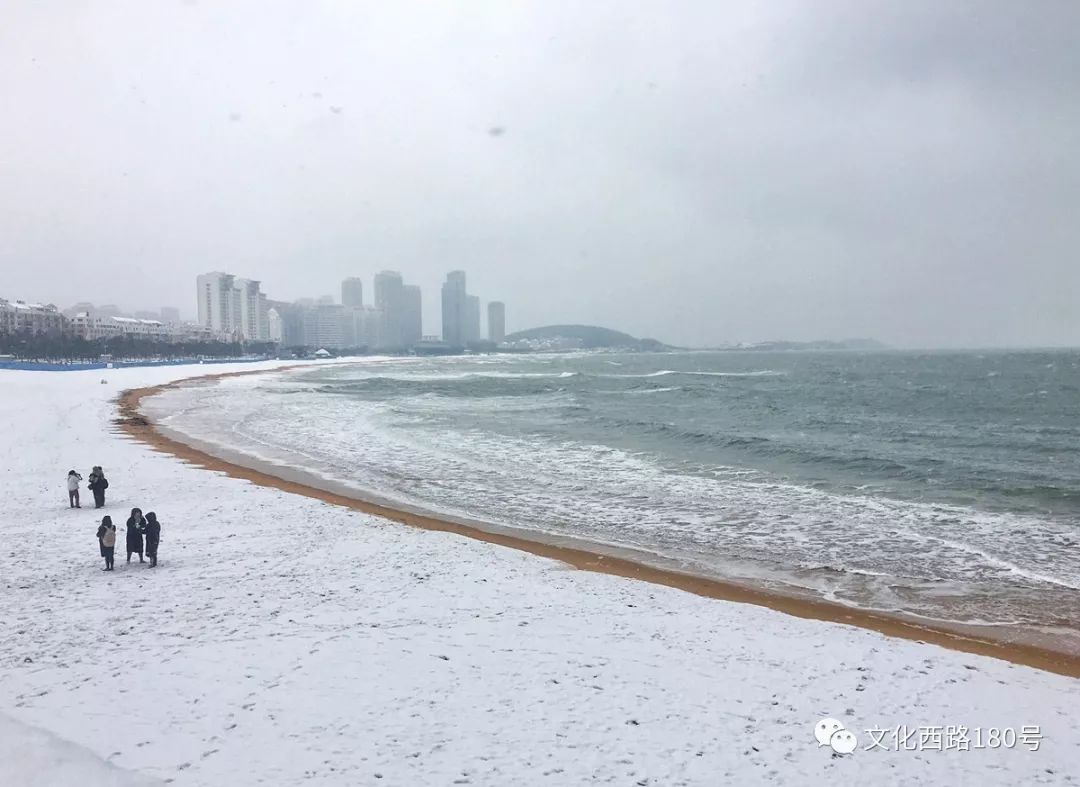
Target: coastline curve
{"points": [[581, 555]]}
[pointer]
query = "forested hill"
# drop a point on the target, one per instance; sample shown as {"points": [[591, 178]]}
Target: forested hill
{"points": [[585, 337]]}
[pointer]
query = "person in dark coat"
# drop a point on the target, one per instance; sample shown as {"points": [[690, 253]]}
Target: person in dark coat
{"points": [[153, 537], [106, 535], [136, 526], [105, 522], [98, 483]]}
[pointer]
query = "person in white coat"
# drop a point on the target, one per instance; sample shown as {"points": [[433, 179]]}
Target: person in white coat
{"points": [[73, 480]]}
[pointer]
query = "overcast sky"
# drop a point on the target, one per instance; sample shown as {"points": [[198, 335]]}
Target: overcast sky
{"points": [[700, 172]]}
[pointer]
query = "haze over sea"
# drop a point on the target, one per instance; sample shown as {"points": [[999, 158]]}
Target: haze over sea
{"points": [[942, 485]]}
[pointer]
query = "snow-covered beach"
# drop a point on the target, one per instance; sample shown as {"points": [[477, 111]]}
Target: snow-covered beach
{"points": [[284, 640]]}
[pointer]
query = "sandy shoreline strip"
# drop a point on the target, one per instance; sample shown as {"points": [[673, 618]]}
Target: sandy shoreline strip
{"points": [[131, 421]]}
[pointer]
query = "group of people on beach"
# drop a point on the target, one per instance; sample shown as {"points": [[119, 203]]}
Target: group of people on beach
{"points": [[143, 532], [97, 483], [140, 530]]}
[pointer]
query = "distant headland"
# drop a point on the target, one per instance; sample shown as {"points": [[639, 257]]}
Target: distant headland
{"points": [[580, 337], [553, 338]]}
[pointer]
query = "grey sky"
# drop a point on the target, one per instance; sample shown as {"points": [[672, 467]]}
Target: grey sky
{"points": [[700, 172]]}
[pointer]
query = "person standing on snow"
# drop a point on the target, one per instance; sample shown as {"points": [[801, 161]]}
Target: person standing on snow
{"points": [[73, 480], [98, 483], [106, 534], [153, 537], [136, 526]]}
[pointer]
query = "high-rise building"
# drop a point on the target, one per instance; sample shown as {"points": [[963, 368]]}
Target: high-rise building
{"points": [[496, 321], [275, 325], [170, 315], [412, 318], [232, 307], [453, 309], [290, 323], [355, 332], [263, 323], [352, 293], [252, 312], [390, 301], [216, 302], [323, 326], [362, 327], [472, 318]]}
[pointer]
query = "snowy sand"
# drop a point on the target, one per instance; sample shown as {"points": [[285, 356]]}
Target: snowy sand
{"points": [[283, 640]]}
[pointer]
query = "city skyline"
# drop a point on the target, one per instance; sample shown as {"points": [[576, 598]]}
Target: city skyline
{"points": [[352, 288], [229, 307], [235, 307]]}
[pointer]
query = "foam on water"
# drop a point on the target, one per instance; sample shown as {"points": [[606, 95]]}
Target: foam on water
{"points": [[669, 372]]}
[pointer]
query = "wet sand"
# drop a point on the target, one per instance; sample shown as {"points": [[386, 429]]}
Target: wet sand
{"points": [[996, 643]]}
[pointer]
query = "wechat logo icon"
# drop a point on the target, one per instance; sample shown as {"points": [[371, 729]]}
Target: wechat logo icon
{"points": [[830, 732]]}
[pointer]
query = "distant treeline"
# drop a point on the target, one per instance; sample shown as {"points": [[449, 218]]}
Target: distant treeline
{"points": [[58, 347]]}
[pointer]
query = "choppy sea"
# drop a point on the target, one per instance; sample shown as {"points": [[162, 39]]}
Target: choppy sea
{"points": [[941, 485]]}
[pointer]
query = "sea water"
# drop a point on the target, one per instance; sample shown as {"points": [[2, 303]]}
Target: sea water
{"points": [[942, 485]]}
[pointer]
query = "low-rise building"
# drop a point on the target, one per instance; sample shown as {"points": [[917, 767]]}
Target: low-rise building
{"points": [[142, 329], [22, 317], [193, 332], [94, 327]]}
